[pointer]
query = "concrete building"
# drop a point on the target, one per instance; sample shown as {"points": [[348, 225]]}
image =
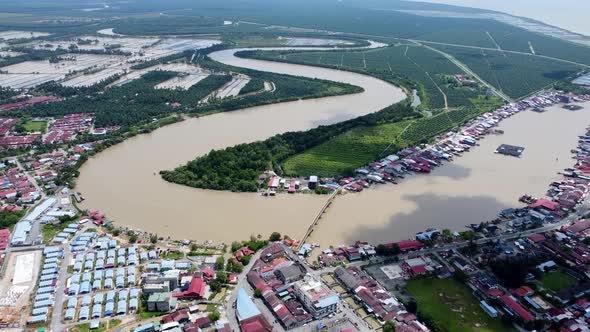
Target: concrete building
{"points": [[291, 273], [161, 302], [316, 298]]}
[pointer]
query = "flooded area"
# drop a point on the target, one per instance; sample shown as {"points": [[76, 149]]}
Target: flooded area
{"points": [[471, 189], [124, 183]]}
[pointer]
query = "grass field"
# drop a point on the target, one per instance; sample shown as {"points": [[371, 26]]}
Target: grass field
{"points": [[452, 307], [360, 146], [557, 280], [34, 126], [345, 152], [49, 231]]}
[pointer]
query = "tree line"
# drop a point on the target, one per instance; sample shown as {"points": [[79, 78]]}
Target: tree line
{"points": [[237, 168]]}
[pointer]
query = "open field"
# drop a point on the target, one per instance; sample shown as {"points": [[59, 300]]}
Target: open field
{"points": [[450, 306], [8, 54], [140, 48], [314, 42], [182, 82], [232, 88], [92, 78], [190, 75], [96, 67], [34, 126], [17, 284], [14, 34], [32, 73], [345, 152], [195, 75], [557, 280]]}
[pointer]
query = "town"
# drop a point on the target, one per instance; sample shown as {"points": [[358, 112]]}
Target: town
{"points": [[76, 270], [422, 159], [325, 166]]}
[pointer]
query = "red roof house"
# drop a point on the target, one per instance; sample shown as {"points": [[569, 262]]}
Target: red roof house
{"points": [[516, 308], [255, 324], [524, 291], [408, 245], [545, 204], [536, 238], [208, 274], [196, 290]]}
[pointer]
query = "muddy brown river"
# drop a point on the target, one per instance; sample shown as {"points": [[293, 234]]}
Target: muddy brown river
{"points": [[123, 182]]}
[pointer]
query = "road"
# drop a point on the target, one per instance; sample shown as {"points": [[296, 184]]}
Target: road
{"points": [[469, 72], [243, 283], [58, 304]]}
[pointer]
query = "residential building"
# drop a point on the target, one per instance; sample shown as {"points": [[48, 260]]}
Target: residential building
{"points": [[316, 298], [161, 302]]}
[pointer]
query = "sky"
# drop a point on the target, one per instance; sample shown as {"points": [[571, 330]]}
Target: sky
{"points": [[568, 14]]}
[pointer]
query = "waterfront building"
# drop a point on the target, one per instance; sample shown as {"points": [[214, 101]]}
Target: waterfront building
{"points": [[316, 298]]}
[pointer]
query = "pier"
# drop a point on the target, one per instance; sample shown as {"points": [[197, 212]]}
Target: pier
{"points": [[317, 218]]}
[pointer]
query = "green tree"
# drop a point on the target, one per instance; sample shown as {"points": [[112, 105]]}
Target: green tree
{"points": [[235, 246], [258, 292], [275, 236], [215, 286], [389, 326], [154, 238], [219, 263], [222, 277], [246, 260], [133, 238], [237, 267], [447, 236], [214, 316]]}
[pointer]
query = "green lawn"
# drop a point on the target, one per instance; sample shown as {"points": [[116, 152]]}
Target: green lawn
{"points": [[33, 126], [345, 152], [173, 255], [451, 306], [557, 280], [49, 231]]}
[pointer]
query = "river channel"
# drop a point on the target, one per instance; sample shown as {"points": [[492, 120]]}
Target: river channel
{"points": [[123, 181], [471, 189]]}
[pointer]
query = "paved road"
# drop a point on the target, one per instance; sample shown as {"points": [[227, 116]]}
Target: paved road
{"points": [[56, 323], [243, 283]]}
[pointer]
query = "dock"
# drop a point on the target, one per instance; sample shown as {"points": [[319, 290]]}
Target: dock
{"points": [[317, 218], [510, 150]]}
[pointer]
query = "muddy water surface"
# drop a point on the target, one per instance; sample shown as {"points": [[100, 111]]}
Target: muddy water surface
{"points": [[471, 189], [123, 181]]}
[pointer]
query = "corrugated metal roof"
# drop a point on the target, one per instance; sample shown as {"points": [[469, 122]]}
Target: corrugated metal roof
{"points": [[244, 306]]}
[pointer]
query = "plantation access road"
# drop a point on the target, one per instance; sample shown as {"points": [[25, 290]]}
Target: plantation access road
{"points": [[471, 73]]}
